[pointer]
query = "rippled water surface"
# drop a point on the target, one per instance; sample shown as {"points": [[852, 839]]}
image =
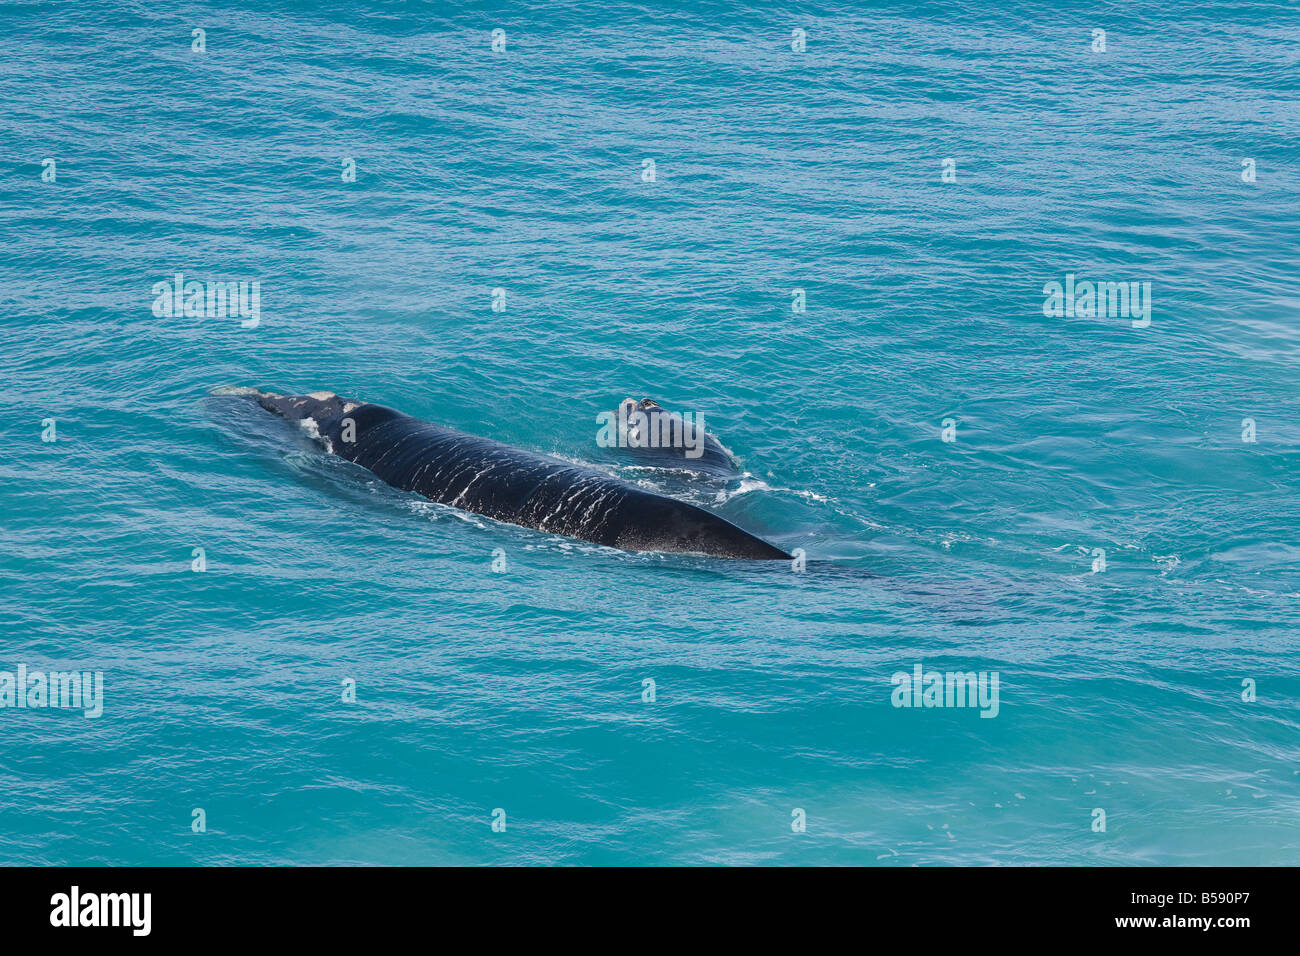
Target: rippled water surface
{"points": [[1098, 534]]}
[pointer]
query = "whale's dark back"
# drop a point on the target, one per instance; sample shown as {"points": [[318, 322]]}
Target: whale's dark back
{"points": [[509, 484]]}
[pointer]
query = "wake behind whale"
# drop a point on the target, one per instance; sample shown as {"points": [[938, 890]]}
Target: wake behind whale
{"points": [[510, 484]]}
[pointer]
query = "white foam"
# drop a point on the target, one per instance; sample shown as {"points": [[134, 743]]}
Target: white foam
{"points": [[313, 431]]}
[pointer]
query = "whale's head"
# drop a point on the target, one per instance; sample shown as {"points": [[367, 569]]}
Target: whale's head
{"points": [[321, 414], [633, 405], [661, 436]]}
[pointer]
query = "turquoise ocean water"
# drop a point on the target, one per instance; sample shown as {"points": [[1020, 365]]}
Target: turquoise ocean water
{"points": [[1160, 688]]}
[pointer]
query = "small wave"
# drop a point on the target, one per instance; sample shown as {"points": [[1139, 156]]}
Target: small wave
{"points": [[436, 511]]}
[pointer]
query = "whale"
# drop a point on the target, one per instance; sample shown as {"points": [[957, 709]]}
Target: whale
{"points": [[509, 484], [655, 437]]}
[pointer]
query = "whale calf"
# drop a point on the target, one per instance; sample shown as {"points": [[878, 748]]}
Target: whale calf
{"points": [[656, 437], [509, 484]]}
